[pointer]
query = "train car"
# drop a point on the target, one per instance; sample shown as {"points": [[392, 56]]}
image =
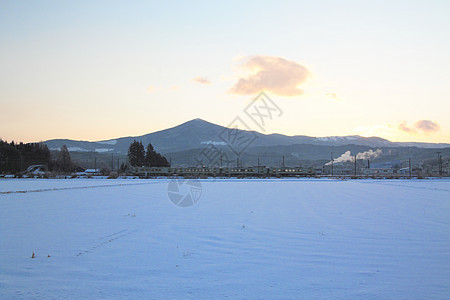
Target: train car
{"points": [[288, 172], [256, 171]]}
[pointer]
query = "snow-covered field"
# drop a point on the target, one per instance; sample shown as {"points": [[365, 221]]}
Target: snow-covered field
{"points": [[287, 239]]}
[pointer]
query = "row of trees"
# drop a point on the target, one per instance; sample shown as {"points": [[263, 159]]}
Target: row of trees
{"points": [[17, 157], [138, 157]]}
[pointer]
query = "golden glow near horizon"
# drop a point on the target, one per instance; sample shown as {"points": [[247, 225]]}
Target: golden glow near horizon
{"points": [[87, 71]]}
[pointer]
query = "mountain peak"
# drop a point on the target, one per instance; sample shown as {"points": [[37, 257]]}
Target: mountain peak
{"points": [[195, 122]]}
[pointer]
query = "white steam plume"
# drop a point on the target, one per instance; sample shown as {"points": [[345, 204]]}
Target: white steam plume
{"points": [[362, 155], [369, 154]]}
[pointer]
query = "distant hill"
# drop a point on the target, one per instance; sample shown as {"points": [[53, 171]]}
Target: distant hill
{"points": [[197, 134]]}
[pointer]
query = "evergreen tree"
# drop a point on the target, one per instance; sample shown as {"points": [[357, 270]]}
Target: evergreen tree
{"points": [[162, 161], [136, 154], [154, 159], [150, 156]]}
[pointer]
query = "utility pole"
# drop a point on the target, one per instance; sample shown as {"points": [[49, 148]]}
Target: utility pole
{"points": [[439, 163], [332, 164], [95, 164], [258, 166], [283, 161], [409, 164]]}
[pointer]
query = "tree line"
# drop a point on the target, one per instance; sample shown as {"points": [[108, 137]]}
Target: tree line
{"points": [[138, 157], [17, 157]]}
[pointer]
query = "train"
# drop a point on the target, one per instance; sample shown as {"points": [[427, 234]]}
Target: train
{"points": [[198, 172]]}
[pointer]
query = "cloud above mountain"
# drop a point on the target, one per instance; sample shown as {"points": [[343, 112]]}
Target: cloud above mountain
{"points": [[405, 128], [424, 126], [427, 126], [272, 74]]}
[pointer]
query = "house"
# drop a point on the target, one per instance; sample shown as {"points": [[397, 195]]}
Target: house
{"points": [[385, 168], [92, 171], [89, 172]]}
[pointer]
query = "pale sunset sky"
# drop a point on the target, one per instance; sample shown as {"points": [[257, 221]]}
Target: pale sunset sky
{"points": [[95, 70]]}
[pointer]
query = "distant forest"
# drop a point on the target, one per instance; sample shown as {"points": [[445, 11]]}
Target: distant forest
{"points": [[17, 157]]}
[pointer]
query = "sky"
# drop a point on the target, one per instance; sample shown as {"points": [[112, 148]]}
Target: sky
{"points": [[97, 70]]}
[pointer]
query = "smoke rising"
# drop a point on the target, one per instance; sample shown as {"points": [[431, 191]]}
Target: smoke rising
{"points": [[347, 156], [369, 154]]}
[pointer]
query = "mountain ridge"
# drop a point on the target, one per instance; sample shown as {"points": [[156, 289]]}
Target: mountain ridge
{"points": [[198, 133]]}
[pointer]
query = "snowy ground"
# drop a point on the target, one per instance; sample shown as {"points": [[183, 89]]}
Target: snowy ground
{"points": [[299, 239]]}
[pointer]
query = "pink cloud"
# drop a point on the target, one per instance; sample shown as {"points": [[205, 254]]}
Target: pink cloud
{"points": [[405, 128], [425, 126], [273, 74], [201, 80]]}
